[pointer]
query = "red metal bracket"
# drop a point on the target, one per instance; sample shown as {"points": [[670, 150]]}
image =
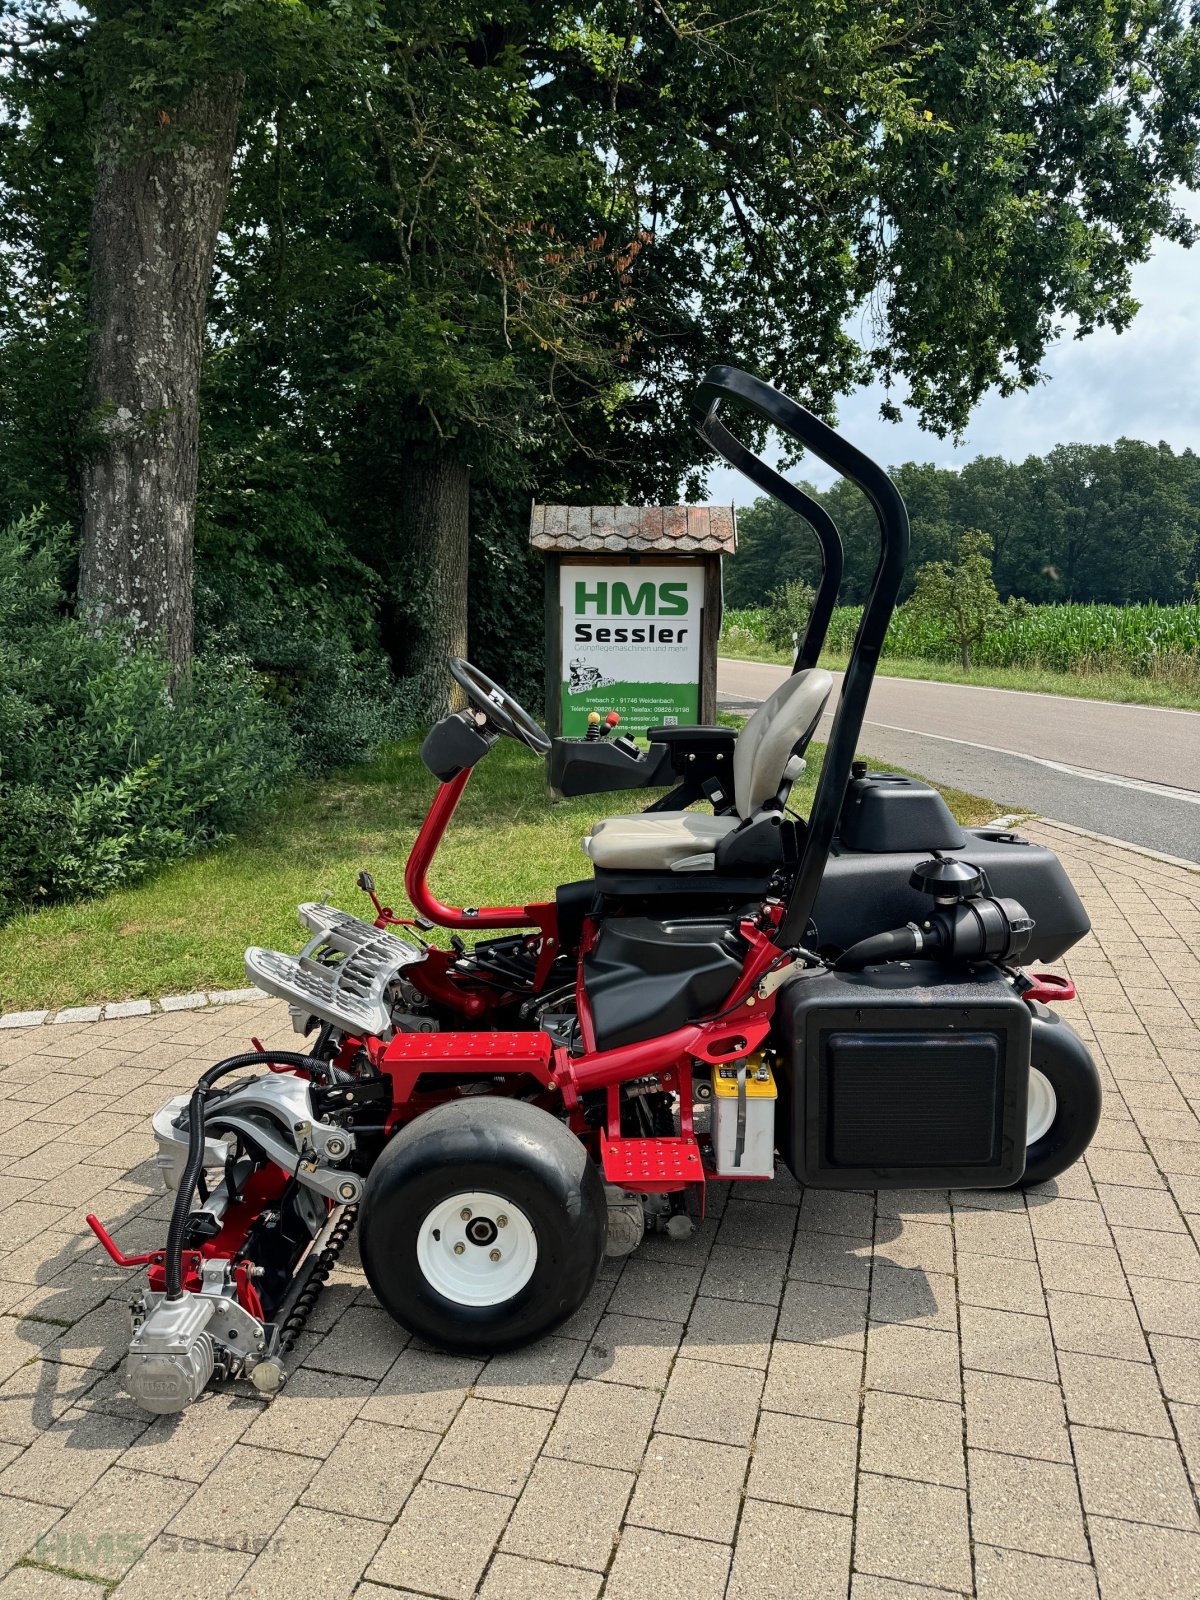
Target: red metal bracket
{"points": [[1048, 987]]}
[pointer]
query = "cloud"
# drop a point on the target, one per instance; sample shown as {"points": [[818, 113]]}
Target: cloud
{"points": [[1140, 384]]}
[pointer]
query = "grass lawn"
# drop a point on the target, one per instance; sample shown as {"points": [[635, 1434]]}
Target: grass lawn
{"points": [[1122, 687], [186, 927]]}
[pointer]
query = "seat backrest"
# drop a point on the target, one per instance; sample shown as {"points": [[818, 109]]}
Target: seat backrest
{"points": [[787, 717]]}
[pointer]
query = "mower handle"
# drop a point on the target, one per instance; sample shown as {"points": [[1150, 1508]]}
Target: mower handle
{"points": [[721, 385]]}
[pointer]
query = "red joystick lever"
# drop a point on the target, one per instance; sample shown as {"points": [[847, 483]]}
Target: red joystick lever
{"points": [[610, 723]]}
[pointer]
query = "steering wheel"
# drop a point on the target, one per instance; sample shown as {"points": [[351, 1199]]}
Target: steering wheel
{"points": [[498, 706]]}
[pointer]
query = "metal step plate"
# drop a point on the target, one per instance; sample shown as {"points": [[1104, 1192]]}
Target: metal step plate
{"points": [[651, 1166]]}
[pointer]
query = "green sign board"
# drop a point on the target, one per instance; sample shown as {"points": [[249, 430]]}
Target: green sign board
{"points": [[630, 643]]}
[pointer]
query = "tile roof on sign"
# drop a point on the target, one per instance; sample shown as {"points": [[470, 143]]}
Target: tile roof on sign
{"points": [[661, 530]]}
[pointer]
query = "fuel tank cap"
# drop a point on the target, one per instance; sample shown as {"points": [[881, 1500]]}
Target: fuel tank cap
{"points": [[947, 880]]}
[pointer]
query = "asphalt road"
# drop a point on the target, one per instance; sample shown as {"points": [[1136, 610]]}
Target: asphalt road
{"points": [[1132, 772]]}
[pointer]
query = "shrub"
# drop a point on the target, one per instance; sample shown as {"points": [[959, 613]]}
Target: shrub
{"points": [[786, 614], [104, 772]]}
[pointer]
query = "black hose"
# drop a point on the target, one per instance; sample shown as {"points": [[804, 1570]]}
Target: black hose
{"points": [[898, 944], [182, 1209]]}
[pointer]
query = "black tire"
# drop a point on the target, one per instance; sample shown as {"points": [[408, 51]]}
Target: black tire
{"points": [[508, 1149], [1062, 1057]]}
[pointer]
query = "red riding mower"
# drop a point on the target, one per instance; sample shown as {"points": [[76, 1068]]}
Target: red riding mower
{"points": [[843, 993]]}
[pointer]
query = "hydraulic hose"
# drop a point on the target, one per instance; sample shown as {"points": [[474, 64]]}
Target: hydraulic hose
{"points": [[182, 1209], [898, 944]]}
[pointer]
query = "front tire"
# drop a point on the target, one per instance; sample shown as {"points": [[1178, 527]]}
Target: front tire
{"points": [[483, 1225], [1065, 1098]]}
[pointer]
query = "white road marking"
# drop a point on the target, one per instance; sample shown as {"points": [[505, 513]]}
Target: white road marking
{"points": [[1162, 790]]}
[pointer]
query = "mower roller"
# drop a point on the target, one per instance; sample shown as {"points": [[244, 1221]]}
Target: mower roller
{"points": [[848, 994]]}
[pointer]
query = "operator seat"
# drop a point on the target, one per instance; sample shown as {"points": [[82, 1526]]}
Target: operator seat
{"points": [[764, 766]]}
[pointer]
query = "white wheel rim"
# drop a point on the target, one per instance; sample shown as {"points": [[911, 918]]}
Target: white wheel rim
{"points": [[1043, 1106], [477, 1249]]}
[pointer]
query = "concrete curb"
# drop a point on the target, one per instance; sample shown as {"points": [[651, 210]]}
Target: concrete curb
{"points": [[1119, 844], [123, 1010]]}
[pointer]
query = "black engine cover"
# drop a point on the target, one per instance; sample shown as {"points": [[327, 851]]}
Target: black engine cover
{"points": [[644, 978], [903, 1077]]}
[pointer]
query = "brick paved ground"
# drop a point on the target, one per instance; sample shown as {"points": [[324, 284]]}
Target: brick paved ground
{"points": [[882, 1398]]}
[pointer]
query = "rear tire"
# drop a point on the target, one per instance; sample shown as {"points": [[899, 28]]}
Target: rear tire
{"points": [[483, 1225], [1069, 1075]]}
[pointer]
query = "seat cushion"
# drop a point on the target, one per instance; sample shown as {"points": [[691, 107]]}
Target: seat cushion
{"points": [[658, 841]]}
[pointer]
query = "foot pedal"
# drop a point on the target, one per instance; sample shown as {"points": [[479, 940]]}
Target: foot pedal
{"points": [[651, 1166]]}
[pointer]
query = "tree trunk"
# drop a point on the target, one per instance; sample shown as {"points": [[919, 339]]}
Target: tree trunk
{"points": [[437, 515], [154, 227]]}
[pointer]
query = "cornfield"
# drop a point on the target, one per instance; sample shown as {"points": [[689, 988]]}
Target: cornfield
{"points": [[1144, 640]]}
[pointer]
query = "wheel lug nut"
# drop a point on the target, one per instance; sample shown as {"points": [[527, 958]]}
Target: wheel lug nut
{"points": [[459, 1248], [465, 1213], [502, 1222], [494, 1255]]}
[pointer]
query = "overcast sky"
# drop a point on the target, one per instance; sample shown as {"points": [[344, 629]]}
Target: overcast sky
{"points": [[1141, 384]]}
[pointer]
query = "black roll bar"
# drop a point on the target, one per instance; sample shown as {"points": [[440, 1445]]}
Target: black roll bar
{"points": [[813, 512], [720, 385]]}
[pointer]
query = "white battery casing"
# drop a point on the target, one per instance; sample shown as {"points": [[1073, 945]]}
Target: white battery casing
{"points": [[758, 1151]]}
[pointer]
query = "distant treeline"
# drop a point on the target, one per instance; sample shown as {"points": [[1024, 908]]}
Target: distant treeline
{"points": [[1116, 523]]}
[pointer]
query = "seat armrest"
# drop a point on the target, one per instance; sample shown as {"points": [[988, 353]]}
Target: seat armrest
{"points": [[678, 736]]}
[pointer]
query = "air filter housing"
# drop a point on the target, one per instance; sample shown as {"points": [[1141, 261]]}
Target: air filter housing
{"points": [[903, 1077]]}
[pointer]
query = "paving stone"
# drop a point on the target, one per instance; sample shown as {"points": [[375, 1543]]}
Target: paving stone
{"points": [[814, 1381], [1016, 1416], [916, 1532], [904, 1437], [570, 1513], [632, 1350], [1134, 1561], [246, 1497], [1025, 1505], [707, 1401], [753, 1275], [310, 1414], [33, 1583], [183, 1002], [1103, 1393], [831, 1258], [814, 1313], [23, 1019], [1017, 1287], [313, 1552], [371, 1471], [115, 1010], [686, 1486], [913, 1296], [864, 1586], [803, 1461], [68, 1456], [915, 1361], [78, 1014], [1097, 1326], [233, 997], [518, 1578], [583, 1323], [1149, 1254], [786, 1551], [736, 1332], [1082, 1269], [1151, 1209], [915, 1205], [184, 1569], [745, 1226], [668, 1567], [422, 1389], [837, 1211], [920, 1246], [1015, 1575], [1128, 1475], [604, 1424], [1166, 1307], [113, 1524], [655, 1289], [22, 1524], [539, 1375], [1178, 1364], [441, 1541], [363, 1343], [1074, 1221], [490, 1446]]}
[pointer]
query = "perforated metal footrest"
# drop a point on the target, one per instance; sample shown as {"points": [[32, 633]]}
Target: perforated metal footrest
{"points": [[341, 975], [651, 1166]]}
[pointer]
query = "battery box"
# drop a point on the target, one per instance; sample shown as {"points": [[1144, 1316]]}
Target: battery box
{"points": [[743, 1119]]}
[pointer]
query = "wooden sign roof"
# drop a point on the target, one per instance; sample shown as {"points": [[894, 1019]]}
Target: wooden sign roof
{"points": [[657, 530]]}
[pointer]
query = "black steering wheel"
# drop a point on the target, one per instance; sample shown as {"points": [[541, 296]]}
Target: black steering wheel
{"points": [[498, 706]]}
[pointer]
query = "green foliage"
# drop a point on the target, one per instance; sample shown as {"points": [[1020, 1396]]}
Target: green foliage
{"points": [[103, 773], [786, 615], [959, 597]]}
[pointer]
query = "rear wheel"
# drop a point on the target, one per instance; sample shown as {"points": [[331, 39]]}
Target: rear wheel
{"points": [[483, 1225], [1064, 1099]]}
